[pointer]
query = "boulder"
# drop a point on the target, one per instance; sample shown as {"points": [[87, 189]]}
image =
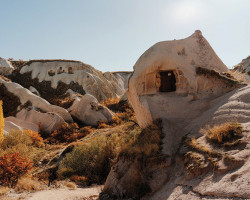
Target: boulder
{"points": [[6, 67], [48, 122], [10, 126], [34, 91], [25, 96], [89, 111], [20, 124]]}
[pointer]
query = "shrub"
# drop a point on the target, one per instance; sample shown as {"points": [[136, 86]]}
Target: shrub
{"points": [[223, 133], [27, 184], [18, 142], [92, 160], [69, 133], [14, 138], [116, 105], [79, 180], [147, 143], [103, 125], [12, 167], [37, 140], [195, 145], [4, 190], [1, 123]]}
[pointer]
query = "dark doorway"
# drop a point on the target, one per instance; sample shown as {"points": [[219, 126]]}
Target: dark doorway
{"points": [[167, 81]]}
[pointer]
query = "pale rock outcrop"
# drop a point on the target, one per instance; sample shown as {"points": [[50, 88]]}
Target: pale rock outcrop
{"points": [[34, 91], [242, 70], [118, 80], [17, 124], [123, 77], [26, 95], [10, 126], [65, 74], [48, 122], [194, 70], [89, 111], [5, 67]]}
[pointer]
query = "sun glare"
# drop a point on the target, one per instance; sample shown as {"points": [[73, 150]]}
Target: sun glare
{"points": [[184, 12]]}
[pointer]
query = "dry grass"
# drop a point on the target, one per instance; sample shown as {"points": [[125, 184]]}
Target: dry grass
{"points": [[193, 161], [147, 143], [70, 185], [195, 145], [93, 159], [28, 184], [103, 125], [79, 180], [4, 190], [19, 142], [225, 133]]}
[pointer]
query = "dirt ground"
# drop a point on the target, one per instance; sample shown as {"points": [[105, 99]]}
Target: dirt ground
{"points": [[90, 193]]}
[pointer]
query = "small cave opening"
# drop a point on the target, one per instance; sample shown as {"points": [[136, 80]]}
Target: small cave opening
{"points": [[168, 81]]}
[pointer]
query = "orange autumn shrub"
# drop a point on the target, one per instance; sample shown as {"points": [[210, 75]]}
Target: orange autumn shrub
{"points": [[103, 125], [37, 140], [69, 133], [13, 166], [116, 105]]}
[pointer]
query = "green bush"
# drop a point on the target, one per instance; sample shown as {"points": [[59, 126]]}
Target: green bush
{"points": [[92, 160]]}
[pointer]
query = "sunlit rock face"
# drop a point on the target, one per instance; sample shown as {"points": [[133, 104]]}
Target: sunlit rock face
{"points": [[171, 74], [242, 70], [5, 67], [17, 98], [87, 110], [55, 77]]}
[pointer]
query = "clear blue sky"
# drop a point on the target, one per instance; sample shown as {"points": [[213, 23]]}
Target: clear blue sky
{"points": [[112, 34]]}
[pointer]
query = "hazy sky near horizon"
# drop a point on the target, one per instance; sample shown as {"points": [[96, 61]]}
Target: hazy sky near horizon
{"points": [[111, 35]]}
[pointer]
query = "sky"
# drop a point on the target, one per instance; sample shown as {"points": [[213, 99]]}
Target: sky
{"points": [[111, 35]]}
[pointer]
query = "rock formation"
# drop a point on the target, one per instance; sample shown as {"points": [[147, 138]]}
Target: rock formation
{"points": [[52, 78], [182, 83], [87, 110], [6, 67], [55, 90], [242, 70], [192, 68]]}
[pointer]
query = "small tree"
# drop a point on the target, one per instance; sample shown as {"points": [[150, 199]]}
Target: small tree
{"points": [[1, 123]]}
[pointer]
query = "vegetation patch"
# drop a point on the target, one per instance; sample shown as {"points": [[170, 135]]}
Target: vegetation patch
{"points": [[69, 133], [13, 166], [146, 144], [117, 105], [141, 155], [227, 134], [93, 159], [201, 159]]}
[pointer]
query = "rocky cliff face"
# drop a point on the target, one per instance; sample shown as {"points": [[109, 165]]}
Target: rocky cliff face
{"points": [[55, 77], [57, 90], [242, 70]]}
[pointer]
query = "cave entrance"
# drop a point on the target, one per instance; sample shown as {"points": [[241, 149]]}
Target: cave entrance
{"points": [[167, 81]]}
